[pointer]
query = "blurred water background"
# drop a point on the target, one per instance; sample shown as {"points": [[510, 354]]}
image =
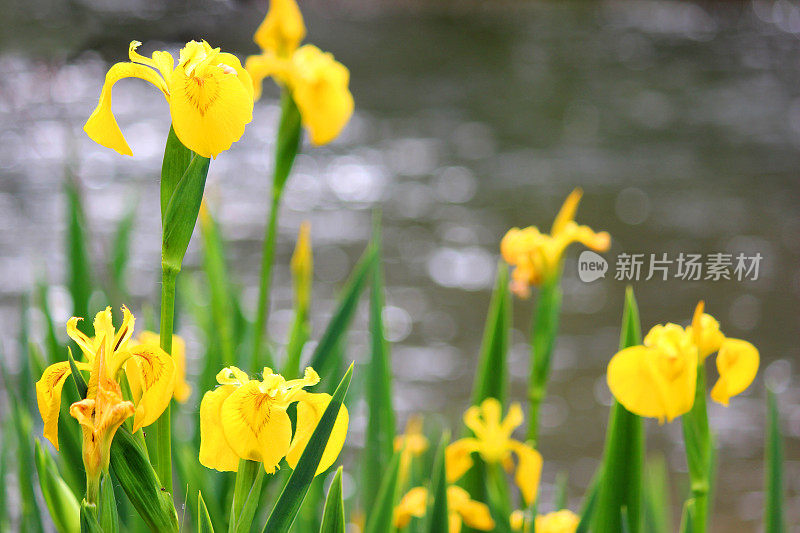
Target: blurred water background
{"points": [[680, 120]]}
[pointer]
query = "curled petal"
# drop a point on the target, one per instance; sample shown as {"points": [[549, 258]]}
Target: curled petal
{"points": [[48, 396], [413, 504], [232, 375], [255, 426], [737, 363], [215, 452], [473, 513], [567, 211], [162, 61], [86, 344], [310, 409], [282, 29], [705, 332], [102, 127], [151, 371], [458, 458], [529, 470]]}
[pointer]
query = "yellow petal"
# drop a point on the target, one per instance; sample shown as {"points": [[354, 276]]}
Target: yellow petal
{"points": [[737, 362], [320, 89], [474, 514], [48, 396], [182, 388], [517, 520], [256, 427], [282, 29], [563, 521], [513, 419], [458, 458], [567, 211], [86, 344], [232, 375], [210, 106], [102, 127], [162, 61], [650, 382], [529, 470], [705, 332], [263, 66], [151, 370], [302, 267], [310, 409], [413, 504], [215, 452]]}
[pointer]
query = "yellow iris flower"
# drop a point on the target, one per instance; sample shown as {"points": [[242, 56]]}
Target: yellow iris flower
{"points": [[658, 379], [318, 83], [148, 362], [210, 97], [461, 508], [494, 444], [100, 415], [182, 389], [537, 256], [563, 521], [412, 443], [246, 418]]}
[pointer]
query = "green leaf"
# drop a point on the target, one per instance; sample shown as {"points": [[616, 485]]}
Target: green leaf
{"points": [[294, 492], [322, 359], [491, 378], [333, 516], [61, 502], [131, 468], [289, 131], [589, 505], [246, 495], [562, 486], [181, 214], [107, 514], [79, 274], [29, 512], [623, 461], [688, 518], [438, 516], [54, 348], [89, 523], [77, 378], [773, 510], [656, 505], [120, 249], [204, 524], [176, 160], [379, 445], [380, 518]]}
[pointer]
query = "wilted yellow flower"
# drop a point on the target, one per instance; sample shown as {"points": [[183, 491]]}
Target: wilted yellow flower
{"points": [[659, 379], [99, 415], [246, 419], [182, 389], [461, 509], [494, 444], [537, 256], [563, 521], [154, 367], [317, 82], [210, 97]]}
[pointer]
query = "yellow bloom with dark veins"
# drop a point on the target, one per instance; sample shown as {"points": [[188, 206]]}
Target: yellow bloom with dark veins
{"points": [[246, 419], [537, 257], [319, 85], [563, 521], [494, 444], [182, 388], [659, 378], [155, 370], [210, 97], [462, 509]]}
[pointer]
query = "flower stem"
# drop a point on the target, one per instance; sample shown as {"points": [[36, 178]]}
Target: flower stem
{"points": [[265, 279], [697, 438], [543, 335], [163, 455]]}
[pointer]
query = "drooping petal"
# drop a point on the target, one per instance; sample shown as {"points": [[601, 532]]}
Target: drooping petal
{"points": [[210, 107], [529, 470], [86, 344], [567, 211], [320, 89], [152, 371], [413, 504], [215, 452], [125, 331], [48, 396], [161, 61], [256, 427], [737, 363], [102, 127], [263, 66], [310, 408], [282, 29], [473, 513], [458, 458]]}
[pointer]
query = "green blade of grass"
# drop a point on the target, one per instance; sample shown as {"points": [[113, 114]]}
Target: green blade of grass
{"points": [[204, 524], [322, 359], [438, 514], [176, 160], [107, 514], [380, 518], [491, 378], [773, 510], [293, 494], [54, 348], [562, 486], [79, 270], [333, 516], [623, 462], [120, 250]]}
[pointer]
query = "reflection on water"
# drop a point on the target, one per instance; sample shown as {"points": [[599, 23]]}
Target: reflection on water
{"points": [[681, 122]]}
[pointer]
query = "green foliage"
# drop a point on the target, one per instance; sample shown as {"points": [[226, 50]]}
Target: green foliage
{"points": [[333, 516], [204, 524], [773, 510], [246, 494], [656, 505], [381, 513], [491, 378], [288, 142], [438, 514], [61, 502], [79, 272], [182, 211]]}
